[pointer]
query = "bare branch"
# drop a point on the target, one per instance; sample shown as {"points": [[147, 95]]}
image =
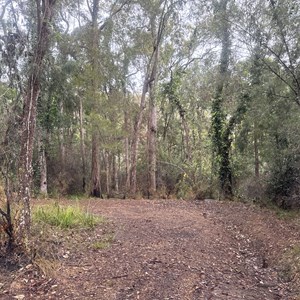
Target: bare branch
{"points": [[66, 21], [2, 213], [288, 69], [284, 41], [89, 7], [2, 16], [279, 76]]}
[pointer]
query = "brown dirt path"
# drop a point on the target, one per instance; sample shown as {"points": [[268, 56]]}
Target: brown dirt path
{"points": [[175, 250]]}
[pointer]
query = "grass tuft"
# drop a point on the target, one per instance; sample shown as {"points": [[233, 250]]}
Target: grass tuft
{"points": [[100, 245], [104, 243], [65, 217], [290, 266]]}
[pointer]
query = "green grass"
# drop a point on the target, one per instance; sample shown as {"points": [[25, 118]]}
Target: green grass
{"points": [[65, 217], [76, 197], [100, 245], [290, 265], [104, 243], [284, 214]]}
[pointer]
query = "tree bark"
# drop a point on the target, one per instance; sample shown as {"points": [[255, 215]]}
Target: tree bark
{"points": [[96, 187], [43, 170], [135, 138], [149, 82], [95, 184], [115, 173], [108, 178], [62, 146], [221, 132], [152, 128], [82, 147], [256, 153], [126, 146], [32, 91]]}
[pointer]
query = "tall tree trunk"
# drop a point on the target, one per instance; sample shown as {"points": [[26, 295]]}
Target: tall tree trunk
{"points": [[135, 138], [96, 187], [126, 146], [152, 128], [149, 81], [43, 169], [82, 147], [95, 184], [107, 165], [117, 172], [256, 153], [44, 12], [256, 72], [221, 135], [188, 151], [62, 146]]}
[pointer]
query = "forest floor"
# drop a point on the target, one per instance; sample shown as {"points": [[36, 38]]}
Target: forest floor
{"points": [[166, 249]]}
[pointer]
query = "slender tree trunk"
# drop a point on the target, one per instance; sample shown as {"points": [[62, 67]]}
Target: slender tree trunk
{"points": [[115, 173], [152, 131], [256, 153], [43, 170], [25, 164], [188, 152], [7, 218], [107, 165], [96, 187], [186, 131], [126, 146], [152, 128], [221, 134], [149, 81], [256, 72], [62, 146], [135, 139], [82, 147], [31, 95]]}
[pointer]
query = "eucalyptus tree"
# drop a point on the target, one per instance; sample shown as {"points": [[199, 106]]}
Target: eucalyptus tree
{"points": [[152, 11], [158, 15], [93, 37], [278, 23], [221, 146], [273, 26], [224, 120], [40, 34]]}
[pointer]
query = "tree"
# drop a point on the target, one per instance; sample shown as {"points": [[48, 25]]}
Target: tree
{"points": [[45, 11], [158, 18], [220, 136]]}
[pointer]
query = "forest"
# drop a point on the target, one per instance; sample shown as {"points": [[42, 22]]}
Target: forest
{"points": [[186, 99]]}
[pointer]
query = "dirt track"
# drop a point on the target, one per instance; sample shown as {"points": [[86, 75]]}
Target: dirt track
{"points": [[177, 250]]}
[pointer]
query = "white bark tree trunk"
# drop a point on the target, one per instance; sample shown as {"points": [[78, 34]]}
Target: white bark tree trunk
{"points": [[43, 171], [31, 93]]}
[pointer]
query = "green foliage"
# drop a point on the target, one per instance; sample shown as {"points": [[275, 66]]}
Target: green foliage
{"points": [[283, 183], [288, 215], [65, 217]]}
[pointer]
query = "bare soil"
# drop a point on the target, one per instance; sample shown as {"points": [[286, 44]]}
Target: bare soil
{"points": [[165, 249]]}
